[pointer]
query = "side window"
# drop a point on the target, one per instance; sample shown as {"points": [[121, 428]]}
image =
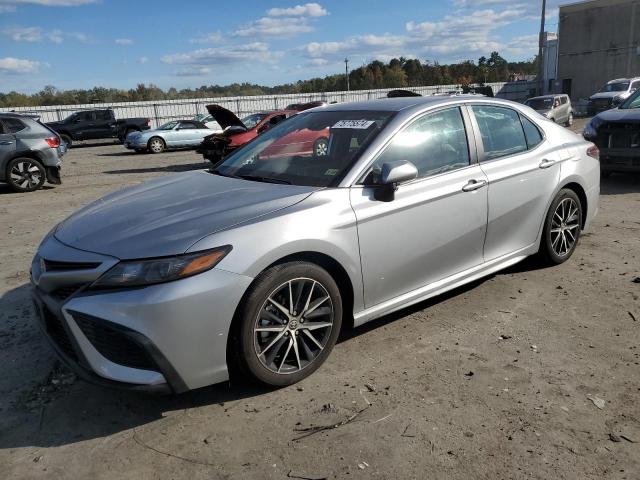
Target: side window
{"points": [[635, 85], [531, 132], [105, 115], [434, 143], [13, 125], [84, 116], [501, 131], [187, 126]]}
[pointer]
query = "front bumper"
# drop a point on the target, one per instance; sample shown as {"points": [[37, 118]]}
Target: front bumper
{"points": [[169, 337]]}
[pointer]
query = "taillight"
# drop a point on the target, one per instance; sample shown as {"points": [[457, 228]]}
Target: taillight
{"points": [[149, 122], [593, 152], [53, 142]]}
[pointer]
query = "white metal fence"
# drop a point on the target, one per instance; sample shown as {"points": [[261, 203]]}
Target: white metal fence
{"points": [[164, 110]]}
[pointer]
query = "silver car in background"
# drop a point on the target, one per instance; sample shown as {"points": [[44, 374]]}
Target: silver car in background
{"points": [[612, 94], [173, 134], [554, 107], [252, 269], [30, 153]]}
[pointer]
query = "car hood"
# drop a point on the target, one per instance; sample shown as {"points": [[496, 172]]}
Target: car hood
{"points": [[620, 115], [225, 118], [166, 216], [607, 95]]}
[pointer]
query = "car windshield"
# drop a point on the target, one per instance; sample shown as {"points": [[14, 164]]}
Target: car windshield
{"points": [[615, 87], [632, 102], [252, 120], [313, 149], [168, 126], [540, 103]]}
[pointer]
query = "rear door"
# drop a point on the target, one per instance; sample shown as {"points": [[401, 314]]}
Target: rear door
{"points": [[435, 225], [523, 170], [7, 146], [105, 124]]}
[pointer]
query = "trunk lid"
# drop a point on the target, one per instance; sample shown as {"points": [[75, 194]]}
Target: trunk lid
{"points": [[224, 117]]}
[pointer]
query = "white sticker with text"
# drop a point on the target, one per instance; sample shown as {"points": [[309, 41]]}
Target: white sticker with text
{"points": [[358, 124]]}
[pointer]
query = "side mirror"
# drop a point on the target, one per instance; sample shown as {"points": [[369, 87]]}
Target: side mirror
{"points": [[393, 173]]}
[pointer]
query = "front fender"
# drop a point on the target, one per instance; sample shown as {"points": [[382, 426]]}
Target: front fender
{"points": [[323, 223]]}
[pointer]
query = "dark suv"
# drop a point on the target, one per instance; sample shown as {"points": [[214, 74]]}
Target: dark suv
{"points": [[30, 153]]}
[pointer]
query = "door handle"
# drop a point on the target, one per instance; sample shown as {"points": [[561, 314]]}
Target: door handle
{"points": [[6, 142], [546, 163], [474, 185]]}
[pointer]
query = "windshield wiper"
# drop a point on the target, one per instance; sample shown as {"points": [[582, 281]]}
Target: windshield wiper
{"points": [[258, 178]]}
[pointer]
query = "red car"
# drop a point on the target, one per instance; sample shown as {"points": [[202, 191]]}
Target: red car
{"points": [[237, 132]]}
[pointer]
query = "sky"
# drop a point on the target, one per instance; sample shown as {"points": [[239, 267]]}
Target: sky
{"points": [[189, 43]]}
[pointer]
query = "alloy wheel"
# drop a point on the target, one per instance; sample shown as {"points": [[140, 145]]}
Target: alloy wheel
{"points": [[156, 145], [293, 326], [321, 148], [26, 174], [565, 227]]}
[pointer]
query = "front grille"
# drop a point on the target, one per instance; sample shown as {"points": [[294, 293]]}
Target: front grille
{"points": [[55, 266], [114, 344], [58, 333], [65, 292]]}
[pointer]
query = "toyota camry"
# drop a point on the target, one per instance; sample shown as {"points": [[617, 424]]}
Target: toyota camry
{"points": [[253, 268]]}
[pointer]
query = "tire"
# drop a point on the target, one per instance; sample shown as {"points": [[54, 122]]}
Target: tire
{"points": [[321, 147], [292, 349], [25, 174], [156, 145], [569, 121], [66, 139], [562, 227]]}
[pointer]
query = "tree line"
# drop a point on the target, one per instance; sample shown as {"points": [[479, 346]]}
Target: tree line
{"points": [[397, 73]]}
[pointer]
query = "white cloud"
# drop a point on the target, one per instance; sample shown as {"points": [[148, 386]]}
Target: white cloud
{"points": [[143, 60], [18, 65], [275, 27], [463, 35], [48, 3], [306, 10], [123, 41], [197, 61], [213, 37], [7, 8], [37, 35]]}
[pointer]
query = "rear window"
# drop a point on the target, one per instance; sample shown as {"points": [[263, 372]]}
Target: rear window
{"points": [[13, 125], [501, 131], [531, 132]]}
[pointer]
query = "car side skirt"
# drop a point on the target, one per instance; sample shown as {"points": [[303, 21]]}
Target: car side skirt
{"points": [[444, 285]]}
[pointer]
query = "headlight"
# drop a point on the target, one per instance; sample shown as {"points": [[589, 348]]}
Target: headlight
{"points": [[591, 129], [159, 270]]}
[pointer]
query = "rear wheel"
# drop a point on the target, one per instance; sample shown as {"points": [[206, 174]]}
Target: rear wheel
{"points": [[25, 174], [66, 139], [156, 145], [569, 120], [562, 227], [320, 147], [287, 324]]}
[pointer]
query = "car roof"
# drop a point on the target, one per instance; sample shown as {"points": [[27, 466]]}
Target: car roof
{"points": [[407, 103], [16, 115], [551, 95], [617, 80]]}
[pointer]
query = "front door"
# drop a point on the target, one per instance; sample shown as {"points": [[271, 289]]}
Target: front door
{"points": [[523, 170], [435, 225]]}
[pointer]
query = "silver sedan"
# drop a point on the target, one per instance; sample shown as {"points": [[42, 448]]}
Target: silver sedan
{"points": [[255, 267], [173, 134]]}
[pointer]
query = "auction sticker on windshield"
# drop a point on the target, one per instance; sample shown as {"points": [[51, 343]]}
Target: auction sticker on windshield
{"points": [[358, 124]]}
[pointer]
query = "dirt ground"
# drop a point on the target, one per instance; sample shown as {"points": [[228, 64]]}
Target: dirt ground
{"points": [[530, 373]]}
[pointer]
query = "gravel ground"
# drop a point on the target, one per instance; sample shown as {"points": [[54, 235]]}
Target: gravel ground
{"points": [[530, 373]]}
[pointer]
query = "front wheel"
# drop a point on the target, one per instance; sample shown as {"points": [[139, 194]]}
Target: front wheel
{"points": [[25, 174], [156, 145], [562, 228], [287, 324]]}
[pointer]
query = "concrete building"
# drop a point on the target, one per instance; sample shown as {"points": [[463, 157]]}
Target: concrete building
{"points": [[550, 63], [599, 40]]}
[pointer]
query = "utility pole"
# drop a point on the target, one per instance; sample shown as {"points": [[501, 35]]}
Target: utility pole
{"points": [[346, 71], [540, 52]]}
